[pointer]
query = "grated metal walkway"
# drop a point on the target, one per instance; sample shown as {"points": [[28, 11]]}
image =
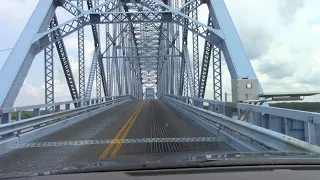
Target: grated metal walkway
{"points": [[157, 120], [138, 128]]}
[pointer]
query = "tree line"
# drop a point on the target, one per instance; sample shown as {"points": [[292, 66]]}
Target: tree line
{"points": [[302, 106]]}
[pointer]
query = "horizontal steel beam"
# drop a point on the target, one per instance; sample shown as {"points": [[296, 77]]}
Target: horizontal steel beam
{"points": [[141, 47], [141, 56]]}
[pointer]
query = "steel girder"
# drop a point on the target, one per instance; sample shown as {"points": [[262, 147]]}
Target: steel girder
{"points": [[134, 42], [170, 15], [100, 75], [108, 76], [237, 61], [172, 72], [122, 64], [125, 73], [157, 16], [117, 84], [95, 28], [195, 44], [144, 57], [98, 79], [96, 56], [148, 63], [189, 71], [96, 39], [81, 58], [176, 41], [113, 39], [107, 60], [217, 78], [70, 7], [231, 47], [49, 75], [114, 53], [62, 52], [117, 75], [172, 40], [205, 64], [183, 76], [15, 69]]}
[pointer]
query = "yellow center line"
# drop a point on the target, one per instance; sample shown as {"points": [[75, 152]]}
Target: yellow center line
{"points": [[115, 139], [116, 150]]}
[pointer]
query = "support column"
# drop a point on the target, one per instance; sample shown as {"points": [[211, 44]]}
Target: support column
{"points": [[49, 75], [81, 59], [98, 80], [114, 54], [108, 77], [194, 15], [217, 79]]}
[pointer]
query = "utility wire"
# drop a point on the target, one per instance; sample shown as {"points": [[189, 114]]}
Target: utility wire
{"points": [[1, 50]]}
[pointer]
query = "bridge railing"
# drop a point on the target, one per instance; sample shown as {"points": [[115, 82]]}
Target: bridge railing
{"points": [[6, 113], [16, 133], [301, 125]]}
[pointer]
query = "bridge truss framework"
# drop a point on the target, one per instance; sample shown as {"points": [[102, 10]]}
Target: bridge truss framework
{"points": [[146, 46]]}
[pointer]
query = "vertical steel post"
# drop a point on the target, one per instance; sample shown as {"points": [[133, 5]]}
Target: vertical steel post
{"points": [[194, 15], [108, 77], [98, 68], [207, 51], [176, 52], [98, 80], [113, 65], [81, 58], [217, 79], [49, 74]]}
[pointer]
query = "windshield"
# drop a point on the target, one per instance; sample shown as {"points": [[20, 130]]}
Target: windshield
{"points": [[109, 83]]}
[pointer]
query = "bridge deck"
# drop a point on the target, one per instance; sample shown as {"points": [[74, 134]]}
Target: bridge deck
{"points": [[138, 128]]}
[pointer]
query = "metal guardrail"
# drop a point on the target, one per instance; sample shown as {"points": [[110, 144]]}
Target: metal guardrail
{"points": [[259, 115], [18, 127], [299, 124], [5, 113]]}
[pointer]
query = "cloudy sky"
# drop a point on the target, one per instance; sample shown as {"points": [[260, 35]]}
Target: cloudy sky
{"points": [[281, 38]]}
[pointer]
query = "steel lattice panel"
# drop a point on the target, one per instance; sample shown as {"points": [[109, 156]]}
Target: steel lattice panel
{"points": [[62, 52]]}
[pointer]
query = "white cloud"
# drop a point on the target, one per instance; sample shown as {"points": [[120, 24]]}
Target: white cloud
{"points": [[280, 38], [30, 95]]}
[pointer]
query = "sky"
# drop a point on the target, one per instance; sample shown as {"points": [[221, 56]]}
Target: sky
{"points": [[281, 39]]}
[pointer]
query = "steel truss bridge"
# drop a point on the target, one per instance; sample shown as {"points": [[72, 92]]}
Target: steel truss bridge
{"points": [[146, 46]]}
